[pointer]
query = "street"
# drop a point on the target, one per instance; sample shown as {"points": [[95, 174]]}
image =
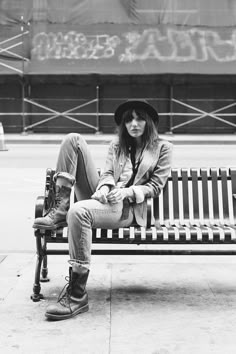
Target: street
{"points": [[22, 177], [42, 156]]}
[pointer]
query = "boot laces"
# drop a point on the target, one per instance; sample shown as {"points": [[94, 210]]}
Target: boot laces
{"points": [[64, 297], [56, 205]]}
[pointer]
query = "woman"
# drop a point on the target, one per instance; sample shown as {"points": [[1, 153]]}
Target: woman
{"points": [[137, 166]]}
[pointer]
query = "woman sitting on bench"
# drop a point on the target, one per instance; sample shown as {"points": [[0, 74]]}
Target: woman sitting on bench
{"points": [[137, 166]]}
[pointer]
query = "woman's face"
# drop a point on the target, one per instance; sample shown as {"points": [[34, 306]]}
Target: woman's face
{"points": [[136, 125]]}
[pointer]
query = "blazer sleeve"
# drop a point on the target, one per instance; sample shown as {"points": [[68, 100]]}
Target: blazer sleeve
{"points": [[158, 178], [107, 177]]}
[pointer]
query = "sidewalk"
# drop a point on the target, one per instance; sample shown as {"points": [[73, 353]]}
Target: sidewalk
{"points": [[138, 305], [34, 138]]}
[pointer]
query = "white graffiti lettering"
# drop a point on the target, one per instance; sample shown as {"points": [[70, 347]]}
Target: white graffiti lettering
{"points": [[170, 44], [73, 46]]}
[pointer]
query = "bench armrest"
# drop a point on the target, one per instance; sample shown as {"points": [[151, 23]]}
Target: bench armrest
{"points": [[39, 206]]}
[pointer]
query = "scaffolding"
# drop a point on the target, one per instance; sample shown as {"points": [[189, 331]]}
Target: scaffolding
{"points": [[179, 112]]}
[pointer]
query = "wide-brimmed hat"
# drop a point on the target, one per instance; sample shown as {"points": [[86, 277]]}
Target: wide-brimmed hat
{"points": [[135, 104]]}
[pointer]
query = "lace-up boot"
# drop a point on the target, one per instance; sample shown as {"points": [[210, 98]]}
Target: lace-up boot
{"points": [[73, 298], [56, 217]]}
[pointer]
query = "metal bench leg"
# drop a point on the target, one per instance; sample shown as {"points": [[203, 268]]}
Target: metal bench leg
{"points": [[36, 296], [44, 278]]}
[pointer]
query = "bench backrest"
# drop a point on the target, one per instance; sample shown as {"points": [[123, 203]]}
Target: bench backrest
{"points": [[190, 197], [198, 196]]}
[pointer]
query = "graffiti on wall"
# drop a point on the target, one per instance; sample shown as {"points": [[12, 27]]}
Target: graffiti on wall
{"points": [[171, 45]]}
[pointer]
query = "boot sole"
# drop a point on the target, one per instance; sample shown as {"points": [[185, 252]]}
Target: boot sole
{"points": [[54, 227], [49, 316]]}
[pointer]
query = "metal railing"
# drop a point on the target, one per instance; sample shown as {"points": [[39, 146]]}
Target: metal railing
{"points": [[199, 114], [43, 113]]}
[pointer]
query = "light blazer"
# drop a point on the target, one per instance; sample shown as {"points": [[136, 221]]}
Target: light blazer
{"points": [[151, 176]]}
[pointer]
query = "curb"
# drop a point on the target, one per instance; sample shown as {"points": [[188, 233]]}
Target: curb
{"points": [[106, 139], [106, 142], [51, 142]]}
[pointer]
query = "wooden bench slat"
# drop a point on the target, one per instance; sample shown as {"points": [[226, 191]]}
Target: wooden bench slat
{"points": [[233, 184], [195, 197], [175, 193], [224, 188], [215, 194], [185, 193], [165, 207], [205, 193]]}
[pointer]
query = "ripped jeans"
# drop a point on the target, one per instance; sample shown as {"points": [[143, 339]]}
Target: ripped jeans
{"points": [[75, 159]]}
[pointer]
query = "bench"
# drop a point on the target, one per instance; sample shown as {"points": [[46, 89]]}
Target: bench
{"points": [[197, 206]]}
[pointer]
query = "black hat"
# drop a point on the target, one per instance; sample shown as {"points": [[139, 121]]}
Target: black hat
{"points": [[135, 104]]}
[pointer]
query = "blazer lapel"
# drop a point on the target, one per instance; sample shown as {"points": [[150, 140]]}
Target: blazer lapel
{"points": [[145, 164], [118, 167], [149, 157]]}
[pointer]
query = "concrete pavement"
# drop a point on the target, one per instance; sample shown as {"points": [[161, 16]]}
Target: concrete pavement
{"points": [[138, 305]]}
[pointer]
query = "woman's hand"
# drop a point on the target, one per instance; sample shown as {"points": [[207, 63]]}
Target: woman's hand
{"points": [[101, 194], [116, 195]]}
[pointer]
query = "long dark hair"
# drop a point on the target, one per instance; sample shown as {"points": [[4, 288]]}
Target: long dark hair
{"points": [[126, 142]]}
